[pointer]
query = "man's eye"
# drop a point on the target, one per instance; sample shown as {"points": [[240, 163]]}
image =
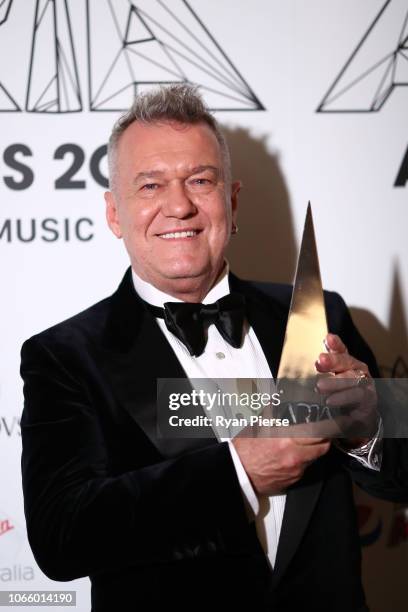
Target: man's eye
{"points": [[150, 186], [201, 181]]}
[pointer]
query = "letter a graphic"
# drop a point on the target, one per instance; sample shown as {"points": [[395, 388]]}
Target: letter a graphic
{"points": [[376, 67]]}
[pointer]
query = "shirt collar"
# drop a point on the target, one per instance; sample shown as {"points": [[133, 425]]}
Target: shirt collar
{"points": [[152, 295]]}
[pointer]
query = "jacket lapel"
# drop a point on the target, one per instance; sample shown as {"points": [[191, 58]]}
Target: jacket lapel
{"points": [[137, 354], [300, 502]]}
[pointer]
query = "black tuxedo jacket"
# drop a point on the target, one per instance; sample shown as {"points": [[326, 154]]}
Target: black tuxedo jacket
{"points": [[160, 523]]}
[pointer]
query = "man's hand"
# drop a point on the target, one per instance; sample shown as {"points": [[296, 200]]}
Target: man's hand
{"points": [[273, 464], [350, 386]]}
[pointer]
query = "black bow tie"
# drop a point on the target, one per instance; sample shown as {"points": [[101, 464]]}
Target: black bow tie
{"points": [[189, 321]]}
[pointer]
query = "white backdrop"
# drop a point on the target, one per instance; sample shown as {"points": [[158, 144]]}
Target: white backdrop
{"points": [[273, 64]]}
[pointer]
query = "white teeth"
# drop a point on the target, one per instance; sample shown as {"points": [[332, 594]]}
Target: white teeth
{"points": [[188, 234]]}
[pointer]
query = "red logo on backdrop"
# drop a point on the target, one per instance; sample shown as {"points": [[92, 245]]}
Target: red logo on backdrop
{"points": [[367, 538], [371, 529], [5, 526], [399, 528]]}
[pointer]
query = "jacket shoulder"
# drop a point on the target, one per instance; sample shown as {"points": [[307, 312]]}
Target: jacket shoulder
{"points": [[281, 293], [85, 326]]}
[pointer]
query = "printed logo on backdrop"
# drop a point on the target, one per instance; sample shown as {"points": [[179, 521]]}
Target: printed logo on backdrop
{"points": [[12, 540], [376, 69], [128, 48], [370, 525], [9, 426], [372, 518]]}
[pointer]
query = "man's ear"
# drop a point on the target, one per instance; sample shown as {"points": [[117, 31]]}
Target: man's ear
{"points": [[235, 189], [112, 216]]}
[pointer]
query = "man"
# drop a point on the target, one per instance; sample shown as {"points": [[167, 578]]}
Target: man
{"points": [[185, 523]]}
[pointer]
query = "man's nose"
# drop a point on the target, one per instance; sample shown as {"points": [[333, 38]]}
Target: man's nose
{"points": [[177, 202]]}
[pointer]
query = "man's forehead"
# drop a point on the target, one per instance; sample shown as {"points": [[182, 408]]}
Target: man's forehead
{"points": [[153, 137]]}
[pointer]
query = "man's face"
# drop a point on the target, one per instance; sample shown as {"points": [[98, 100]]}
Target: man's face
{"points": [[171, 205]]}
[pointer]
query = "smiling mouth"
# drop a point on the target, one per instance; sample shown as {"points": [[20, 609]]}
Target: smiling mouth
{"points": [[175, 235]]}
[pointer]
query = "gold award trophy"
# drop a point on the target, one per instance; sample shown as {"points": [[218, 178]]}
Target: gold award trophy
{"points": [[307, 324], [306, 328]]}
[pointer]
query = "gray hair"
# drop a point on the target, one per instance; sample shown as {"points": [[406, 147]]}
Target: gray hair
{"points": [[181, 103]]}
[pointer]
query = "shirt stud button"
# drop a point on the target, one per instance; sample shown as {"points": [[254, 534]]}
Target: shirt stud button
{"points": [[220, 355]]}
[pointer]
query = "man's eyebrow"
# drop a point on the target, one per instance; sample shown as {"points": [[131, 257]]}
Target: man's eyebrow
{"points": [[147, 174], [198, 169], [159, 173]]}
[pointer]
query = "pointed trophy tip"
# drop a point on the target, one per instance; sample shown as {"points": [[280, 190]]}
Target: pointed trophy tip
{"points": [[308, 216]]}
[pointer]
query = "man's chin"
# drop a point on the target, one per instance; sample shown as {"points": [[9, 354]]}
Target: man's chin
{"points": [[187, 270], [183, 279], [187, 277]]}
